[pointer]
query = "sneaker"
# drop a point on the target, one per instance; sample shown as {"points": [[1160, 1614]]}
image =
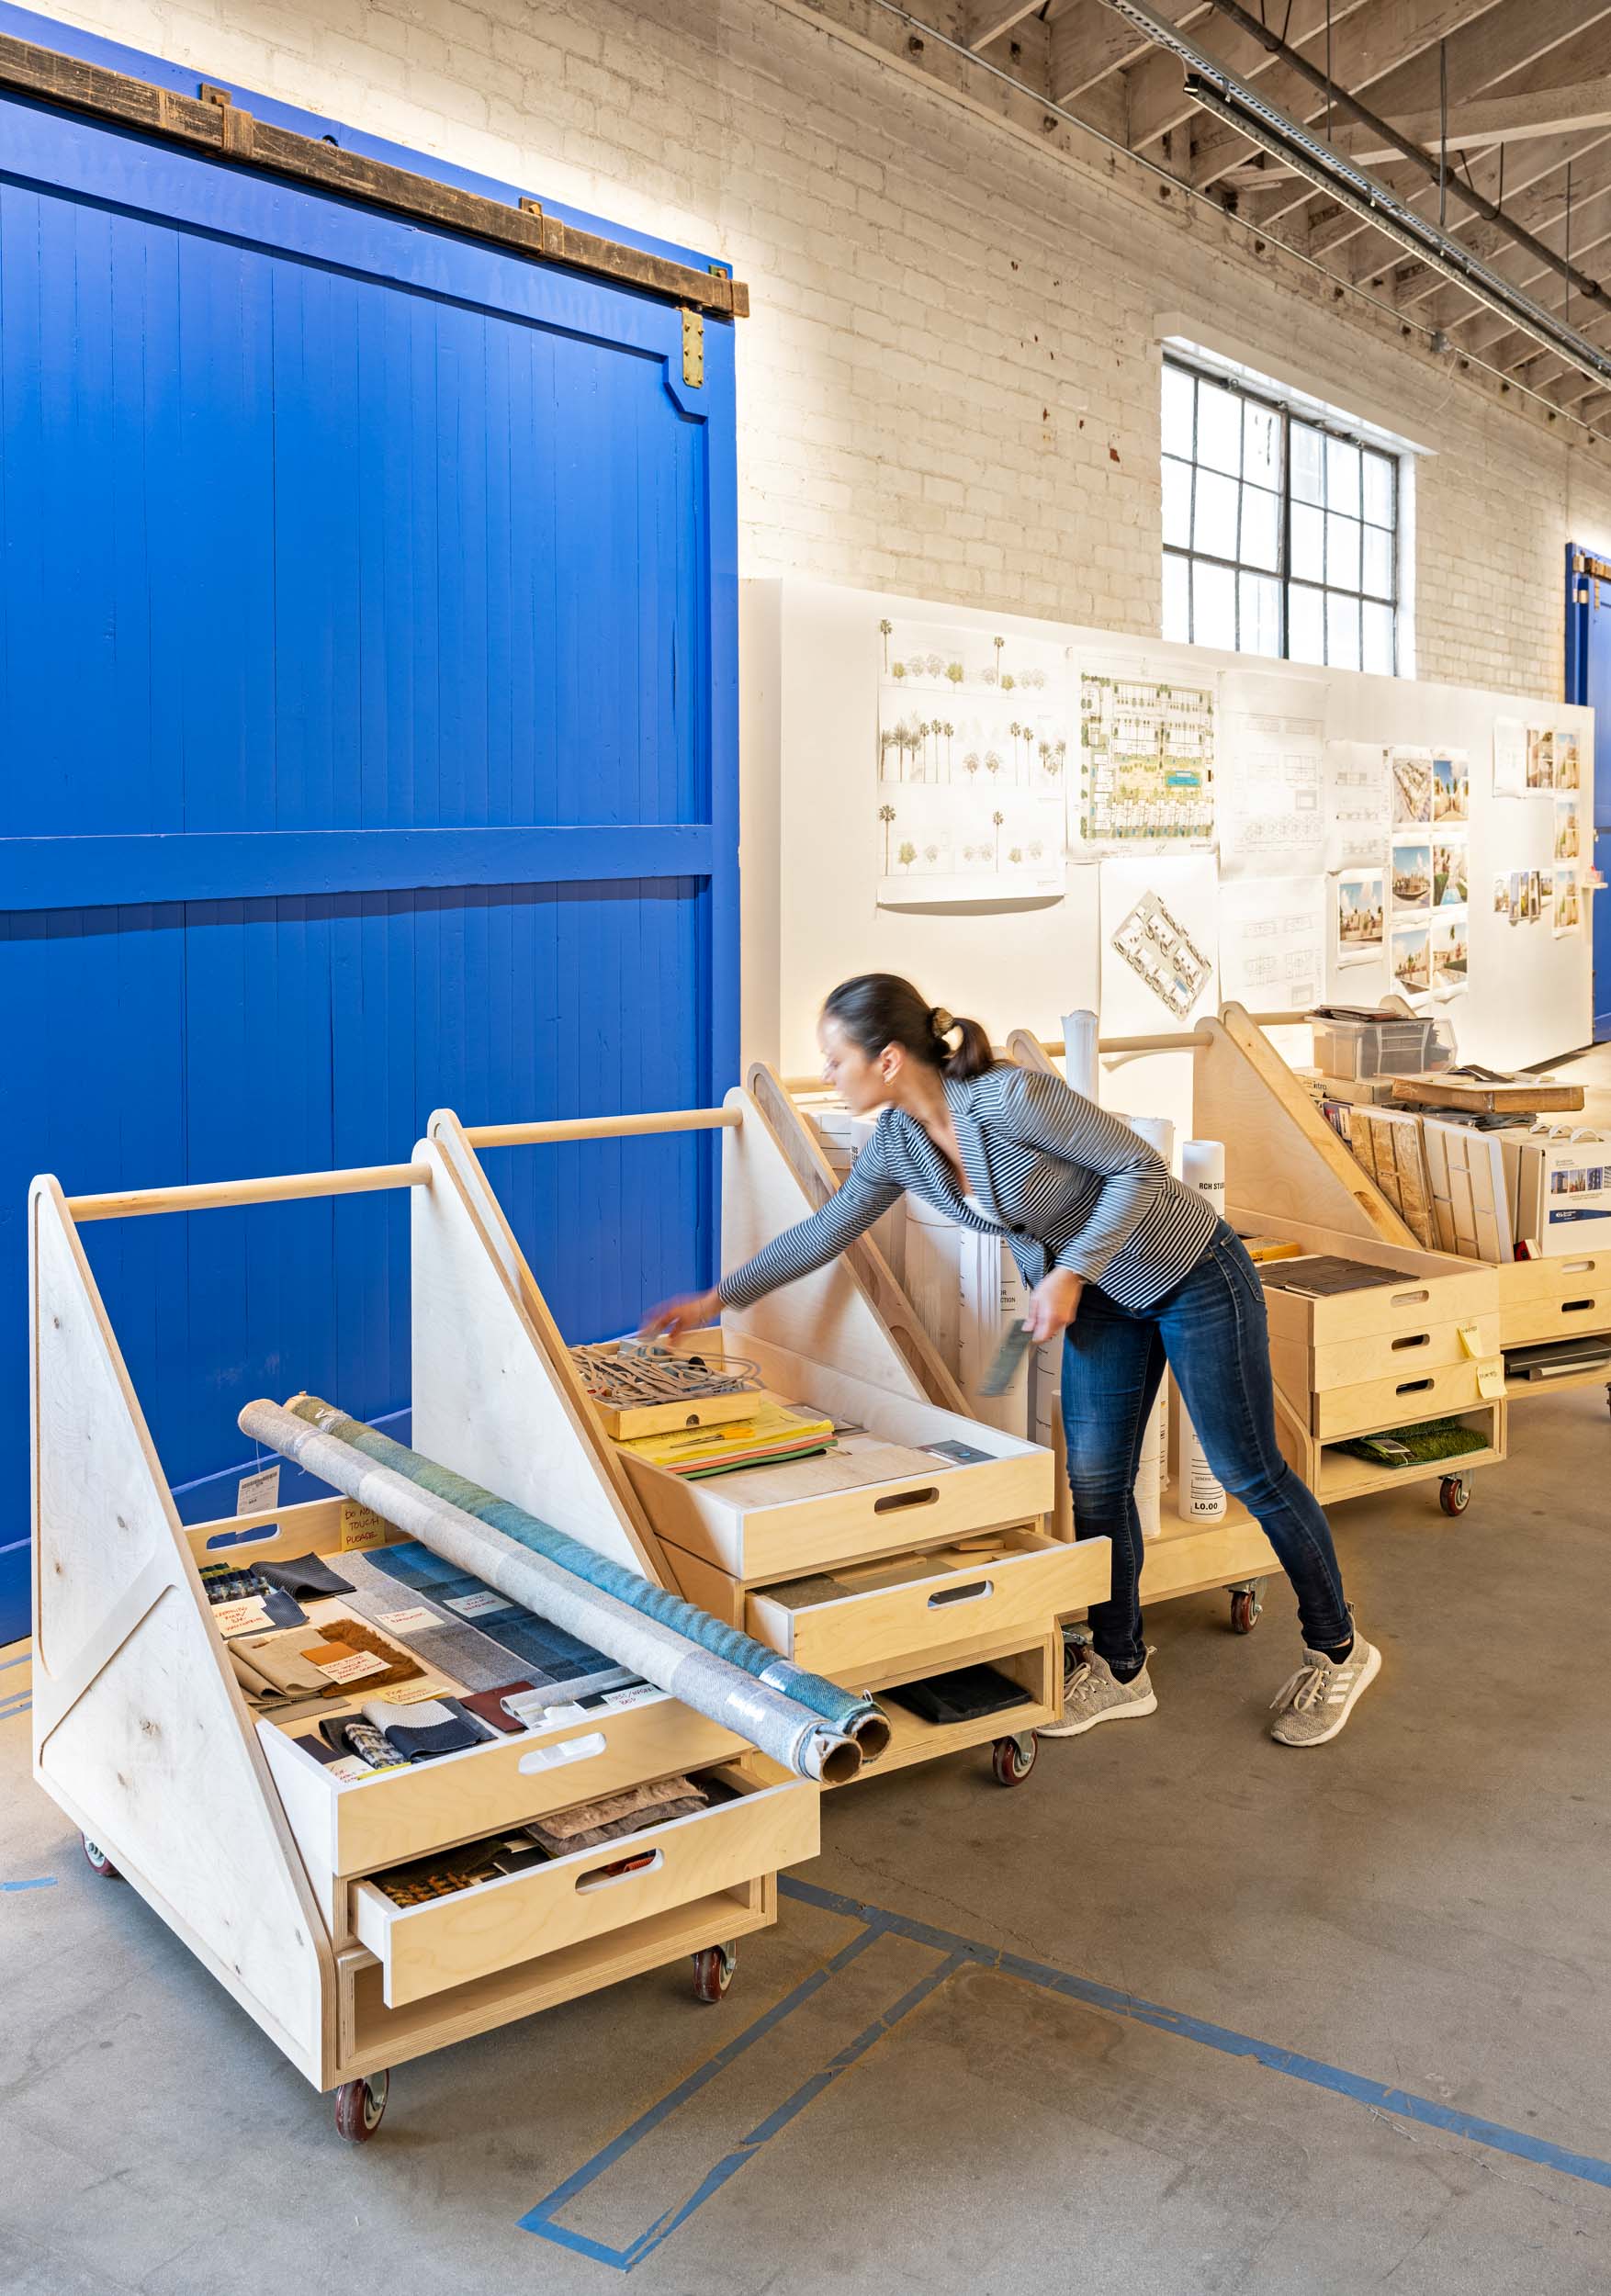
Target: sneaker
{"points": [[1313, 1705], [1090, 1696]]}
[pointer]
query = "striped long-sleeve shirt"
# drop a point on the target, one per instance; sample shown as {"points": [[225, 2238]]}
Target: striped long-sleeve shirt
{"points": [[1070, 1187]]}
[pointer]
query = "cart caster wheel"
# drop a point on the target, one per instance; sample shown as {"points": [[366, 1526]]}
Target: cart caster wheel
{"points": [[712, 1971], [1454, 1494], [99, 1862], [1246, 1610], [1012, 1759], [359, 2105]]}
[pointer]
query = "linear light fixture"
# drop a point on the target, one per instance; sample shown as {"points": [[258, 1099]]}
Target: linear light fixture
{"points": [[1240, 106]]}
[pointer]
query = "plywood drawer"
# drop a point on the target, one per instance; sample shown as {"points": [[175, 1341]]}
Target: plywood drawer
{"points": [[775, 1536], [1014, 1582], [1403, 1354], [758, 1541], [453, 1940], [1553, 1298], [1419, 1300], [351, 1826], [1565, 1316], [1368, 1405]]}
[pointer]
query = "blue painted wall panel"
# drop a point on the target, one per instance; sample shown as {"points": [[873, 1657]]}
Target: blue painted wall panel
{"points": [[343, 562]]}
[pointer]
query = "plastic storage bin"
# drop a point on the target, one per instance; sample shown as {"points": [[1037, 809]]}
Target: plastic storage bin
{"points": [[1358, 1044]]}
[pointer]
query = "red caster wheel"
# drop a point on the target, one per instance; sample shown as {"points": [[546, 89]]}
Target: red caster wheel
{"points": [[1454, 1494], [98, 1860], [1246, 1610], [359, 2105], [1012, 1759], [712, 1971]]}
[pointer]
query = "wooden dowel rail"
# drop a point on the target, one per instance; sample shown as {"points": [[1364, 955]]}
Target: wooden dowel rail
{"points": [[219, 1194], [1180, 1040], [604, 1127]]}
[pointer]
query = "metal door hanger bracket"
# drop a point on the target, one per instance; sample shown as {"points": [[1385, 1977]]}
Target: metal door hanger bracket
{"points": [[693, 349]]}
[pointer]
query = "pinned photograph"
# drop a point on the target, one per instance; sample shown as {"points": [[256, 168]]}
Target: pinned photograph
{"points": [[1412, 965], [1450, 942], [1568, 904], [1540, 757], [1360, 918], [1448, 874], [1451, 786], [1412, 787], [1501, 897], [1518, 889], [1567, 773], [1568, 837], [1412, 876]]}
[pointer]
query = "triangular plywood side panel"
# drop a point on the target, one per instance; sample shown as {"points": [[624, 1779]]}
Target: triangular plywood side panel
{"points": [[826, 1317], [1027, 1051], [139, 1731], [864, 1261], [495, 1397], [1283, 1162]]}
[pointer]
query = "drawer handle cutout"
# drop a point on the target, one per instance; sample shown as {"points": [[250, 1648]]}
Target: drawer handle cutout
{"points": [[1574, 1307], [1419, 1339], [905, 1499], [1412, 1387], [1569, 1268], [979, 1588], [1407, 1298], [259, 1535], [602, 1877], [555, 1757]]}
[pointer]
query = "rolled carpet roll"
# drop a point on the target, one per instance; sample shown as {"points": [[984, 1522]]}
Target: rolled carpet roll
{"points": [[688, 1668]]}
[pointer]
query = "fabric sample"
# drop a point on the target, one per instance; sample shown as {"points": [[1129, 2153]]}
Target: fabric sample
{"points": [[488, 1637], [422, 1732], [614, 1815], [304, 1574]]}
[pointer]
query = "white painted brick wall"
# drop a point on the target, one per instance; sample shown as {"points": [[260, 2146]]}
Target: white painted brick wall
{"points": [[949, 384]]}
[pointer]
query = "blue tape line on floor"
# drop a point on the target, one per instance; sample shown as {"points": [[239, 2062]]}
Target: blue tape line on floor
{"points": [[1404, 2103], [10, 1707], [6, 1664], [957, 1952], [45, 1881], [540, 2219]]}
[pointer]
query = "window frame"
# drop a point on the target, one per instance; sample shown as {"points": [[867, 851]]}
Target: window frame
{"points": [[1286, 414]]}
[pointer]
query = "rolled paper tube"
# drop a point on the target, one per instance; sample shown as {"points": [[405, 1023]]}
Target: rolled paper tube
{"points": [[846, 1710], [1079, 1052], [1202, 1166], [687, 1667], [1158, 1131]]}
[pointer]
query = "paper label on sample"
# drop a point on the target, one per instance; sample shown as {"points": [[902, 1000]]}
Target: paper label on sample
{"points": [[1491, 1381], [249, 1616], [259, 1493], [411, 1694], [480, 1606], [361, 1526], [413, 1621], [349, 1769], [350, 1666]]}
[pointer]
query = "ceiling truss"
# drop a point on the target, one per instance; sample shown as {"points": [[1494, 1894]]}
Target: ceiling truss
{"points": [[1491, 119]]}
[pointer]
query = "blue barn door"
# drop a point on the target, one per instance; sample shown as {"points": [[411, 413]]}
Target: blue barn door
{"points": [[368, 698], [1588, 681]]}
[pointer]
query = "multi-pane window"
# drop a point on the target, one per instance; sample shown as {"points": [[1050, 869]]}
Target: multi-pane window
{"points": [[1280, 533]]}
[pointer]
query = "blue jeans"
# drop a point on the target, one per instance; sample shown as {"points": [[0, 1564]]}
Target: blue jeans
{"points": [[1212, 1332]]}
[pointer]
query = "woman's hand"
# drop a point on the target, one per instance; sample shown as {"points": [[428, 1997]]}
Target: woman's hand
{"points": [[1055, 1303], [693, 1313]]}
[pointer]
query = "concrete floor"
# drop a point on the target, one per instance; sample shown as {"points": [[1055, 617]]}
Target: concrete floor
{"points": [[1419, 1911]]}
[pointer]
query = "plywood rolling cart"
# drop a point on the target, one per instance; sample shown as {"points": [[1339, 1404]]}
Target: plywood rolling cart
{"points": [[886, 1563], [256, 1855]]}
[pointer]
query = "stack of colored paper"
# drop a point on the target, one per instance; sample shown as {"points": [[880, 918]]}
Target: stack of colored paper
{"points": [[771, 1431]]}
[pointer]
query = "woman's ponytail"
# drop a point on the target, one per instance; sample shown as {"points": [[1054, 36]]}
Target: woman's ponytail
{"points": [[880, 1008]]}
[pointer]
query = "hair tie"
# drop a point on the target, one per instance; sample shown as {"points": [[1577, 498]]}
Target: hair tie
{"points": [[940, 1021]]}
